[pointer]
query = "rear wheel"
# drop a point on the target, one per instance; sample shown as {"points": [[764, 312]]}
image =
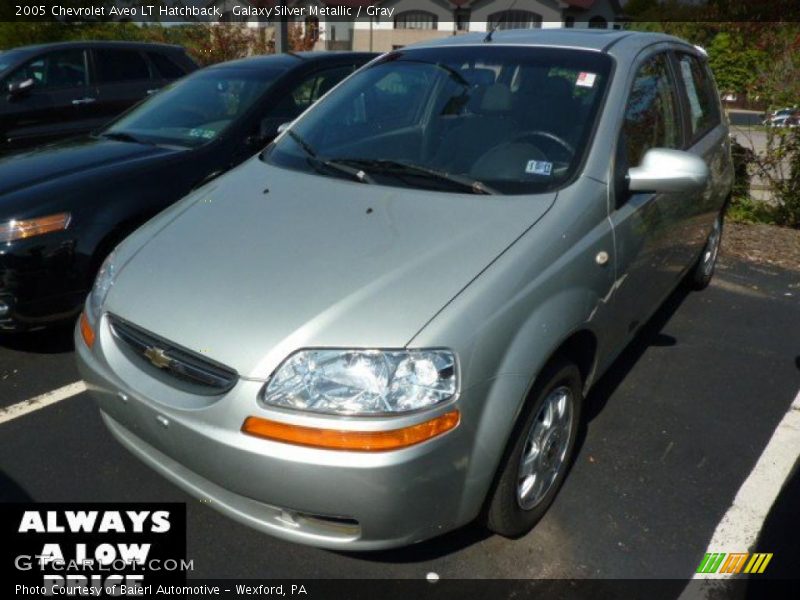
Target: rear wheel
{"points": [[701, 274], [540, 454]]}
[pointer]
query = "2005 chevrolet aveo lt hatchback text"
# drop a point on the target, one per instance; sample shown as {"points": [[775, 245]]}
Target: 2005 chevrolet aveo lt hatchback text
{"points": [[383, 326]]}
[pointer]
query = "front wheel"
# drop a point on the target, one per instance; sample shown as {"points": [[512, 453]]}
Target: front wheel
{"points": [[540, 454], [701, 274]]}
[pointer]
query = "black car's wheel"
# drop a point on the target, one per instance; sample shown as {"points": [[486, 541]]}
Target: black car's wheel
{"points": [[540, 452], [700, 275]]}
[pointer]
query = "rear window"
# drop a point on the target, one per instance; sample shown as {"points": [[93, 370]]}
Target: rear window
{"points": [[701, 95], [117, 66], [165, 66]]}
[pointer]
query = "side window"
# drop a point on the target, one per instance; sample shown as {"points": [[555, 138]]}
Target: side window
{"points": [[164, 65], [120, 66], [651, 116], [700, 93], [62, 69]]}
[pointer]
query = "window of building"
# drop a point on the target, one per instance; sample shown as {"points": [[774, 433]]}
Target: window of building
{"points": [[515, 19], [416, 19], [462, 16], [598, 22]]}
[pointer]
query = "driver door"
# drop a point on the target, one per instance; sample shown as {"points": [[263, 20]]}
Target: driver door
{"points": [[645, 224]]}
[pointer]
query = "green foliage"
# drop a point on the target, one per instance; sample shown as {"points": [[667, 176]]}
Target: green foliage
{"points": [[743, 209], [736, 64]]}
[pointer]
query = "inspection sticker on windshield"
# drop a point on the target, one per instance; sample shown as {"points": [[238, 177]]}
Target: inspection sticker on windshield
{"points": [[539, 167], [586, 79], [206, 134]]}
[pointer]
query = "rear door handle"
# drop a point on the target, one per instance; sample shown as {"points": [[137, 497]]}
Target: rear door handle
{"points": [[80, 101], [153, 91]]}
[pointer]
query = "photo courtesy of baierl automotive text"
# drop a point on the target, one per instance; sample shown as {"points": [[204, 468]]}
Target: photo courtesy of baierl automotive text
{"points": [[400, 298]]}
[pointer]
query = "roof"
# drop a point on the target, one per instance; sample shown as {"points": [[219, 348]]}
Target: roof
{"points": [[589, 39], [96, 44], [293, 59]]}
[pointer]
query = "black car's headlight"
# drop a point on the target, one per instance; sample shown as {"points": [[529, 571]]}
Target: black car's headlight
{"points": [[20, 229]]}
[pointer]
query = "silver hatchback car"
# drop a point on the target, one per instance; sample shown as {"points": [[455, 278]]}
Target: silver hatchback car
{"points": [[384, 326]]}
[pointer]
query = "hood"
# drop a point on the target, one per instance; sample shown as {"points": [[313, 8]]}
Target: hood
{"points": [[265, 261], [68, 158]]}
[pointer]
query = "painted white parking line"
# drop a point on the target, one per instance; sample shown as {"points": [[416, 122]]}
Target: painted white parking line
{"points": [[28, 406], [739, 529]]}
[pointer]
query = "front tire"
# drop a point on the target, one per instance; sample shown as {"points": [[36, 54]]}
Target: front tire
{"points": [[701, 274], [540, 454]]}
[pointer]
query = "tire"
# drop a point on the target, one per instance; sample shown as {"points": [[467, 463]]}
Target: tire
{"points": [[510, 512], [702, 272]]}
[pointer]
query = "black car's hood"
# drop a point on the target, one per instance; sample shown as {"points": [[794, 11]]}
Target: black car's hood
{"points": [[68, 158]]}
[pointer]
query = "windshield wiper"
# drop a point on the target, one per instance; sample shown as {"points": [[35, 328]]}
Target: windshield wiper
{"points": [[335, 165], [395, 167], [123, 136]]}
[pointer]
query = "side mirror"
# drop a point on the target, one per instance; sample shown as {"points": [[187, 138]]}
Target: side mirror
{"points": [[665, 170], [18, 88]]}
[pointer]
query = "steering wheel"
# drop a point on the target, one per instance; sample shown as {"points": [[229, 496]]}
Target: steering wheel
{"points": [[548, 136]]}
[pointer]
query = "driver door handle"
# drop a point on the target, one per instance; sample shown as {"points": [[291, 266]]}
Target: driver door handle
{"points": [[87, 100]]}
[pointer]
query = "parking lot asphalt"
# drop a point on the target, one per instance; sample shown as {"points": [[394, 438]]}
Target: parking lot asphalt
{"points": [[674, 429]]}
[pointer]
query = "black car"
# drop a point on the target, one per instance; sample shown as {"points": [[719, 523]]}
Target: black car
{"points": [[53, 91], [64, 207]]}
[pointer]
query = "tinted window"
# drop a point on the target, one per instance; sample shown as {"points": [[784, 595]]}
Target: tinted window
{"points": [[63, 69], [703, 107], [308, 91], [165, 67], [515, 120], [116, 66], [8, 59], [651, 119], [196, 109]]}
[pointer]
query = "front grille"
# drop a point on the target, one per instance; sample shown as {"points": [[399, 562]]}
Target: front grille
{"points": [[204, 376]]}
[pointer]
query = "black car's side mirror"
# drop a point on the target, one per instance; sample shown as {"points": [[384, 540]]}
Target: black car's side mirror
{"points": [[20, 88]]}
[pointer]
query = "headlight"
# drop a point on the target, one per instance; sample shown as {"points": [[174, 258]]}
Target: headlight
{"points": [[26, 228], [102, 285], [363, 382]]}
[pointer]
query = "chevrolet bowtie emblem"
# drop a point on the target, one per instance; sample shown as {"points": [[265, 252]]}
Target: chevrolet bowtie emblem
{"points": [[157, 357]]}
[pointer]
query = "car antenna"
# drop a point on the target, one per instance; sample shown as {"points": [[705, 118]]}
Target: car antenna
{"points": [[489, 35]]}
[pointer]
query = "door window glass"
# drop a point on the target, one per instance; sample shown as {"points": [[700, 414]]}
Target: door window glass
{"points": [[119, 66], [700, 94], [651, 119], [62, 69], [166, 68]]}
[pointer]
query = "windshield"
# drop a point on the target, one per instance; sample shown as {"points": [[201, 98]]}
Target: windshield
{"points": [[507, 120], [197, 109]]}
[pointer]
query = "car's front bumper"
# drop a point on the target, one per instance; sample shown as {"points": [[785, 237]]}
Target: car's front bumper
{"points": [[333, 499], [39, 283]]}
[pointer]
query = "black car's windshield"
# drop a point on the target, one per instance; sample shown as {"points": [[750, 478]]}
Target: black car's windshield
{"points": [[484, 119], [195, 110]]}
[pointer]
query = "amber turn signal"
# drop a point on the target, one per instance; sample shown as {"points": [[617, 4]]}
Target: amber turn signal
{"points": [[26, 228], [357, 441], [86, 331]]}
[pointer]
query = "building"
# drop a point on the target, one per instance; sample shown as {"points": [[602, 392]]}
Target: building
{"points": [[397, 23]]}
